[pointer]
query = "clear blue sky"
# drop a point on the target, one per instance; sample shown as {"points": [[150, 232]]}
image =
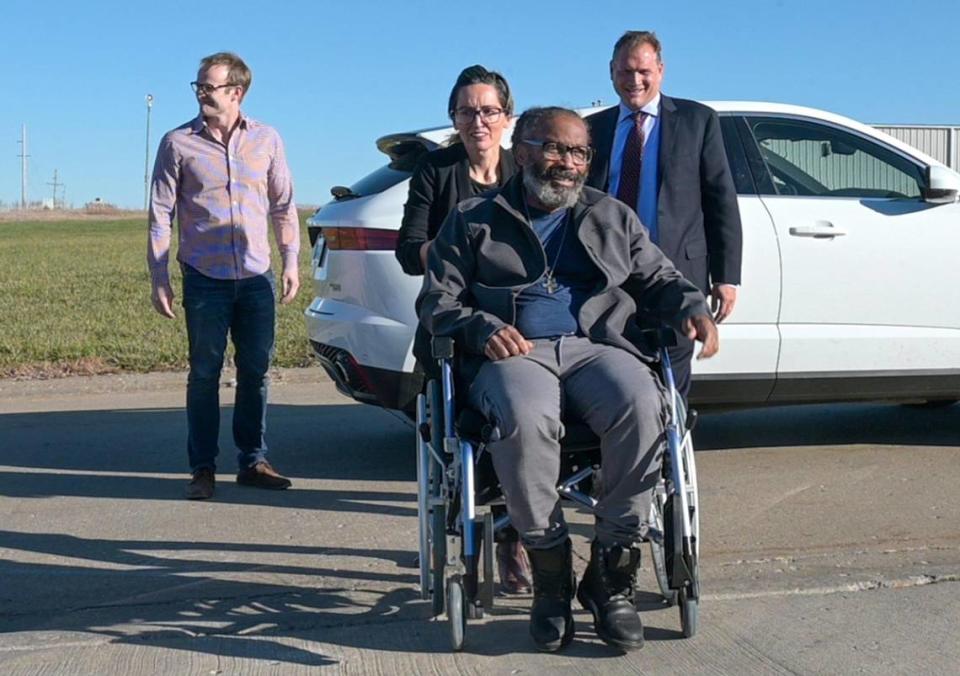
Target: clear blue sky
{"points": [[333, 76]]}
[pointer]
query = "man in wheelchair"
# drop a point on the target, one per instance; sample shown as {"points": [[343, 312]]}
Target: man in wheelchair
{"points": [[540, 284]]}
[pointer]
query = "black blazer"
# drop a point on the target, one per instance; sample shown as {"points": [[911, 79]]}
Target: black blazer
{"points": [[440, 182], [697, 214]]}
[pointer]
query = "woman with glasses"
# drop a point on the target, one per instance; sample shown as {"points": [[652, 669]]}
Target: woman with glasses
{"points": [[481, 108]]}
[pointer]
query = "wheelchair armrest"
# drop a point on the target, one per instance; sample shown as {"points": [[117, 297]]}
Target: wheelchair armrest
{"points": [[660, 338], [442, 347]]}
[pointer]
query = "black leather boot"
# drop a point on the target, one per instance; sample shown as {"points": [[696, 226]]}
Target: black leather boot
{"points": [[551, 619], [607, 591]]}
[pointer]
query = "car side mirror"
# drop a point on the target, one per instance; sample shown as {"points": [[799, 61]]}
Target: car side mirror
{"points": [[943, 186]]}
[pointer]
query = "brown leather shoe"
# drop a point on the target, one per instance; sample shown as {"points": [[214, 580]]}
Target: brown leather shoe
{"points": [[514, 568], [201, 485], [262, 475]]}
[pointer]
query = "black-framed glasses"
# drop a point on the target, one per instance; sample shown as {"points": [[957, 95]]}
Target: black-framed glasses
{"points": [[206, 88], [489, 114], [555, 151]]}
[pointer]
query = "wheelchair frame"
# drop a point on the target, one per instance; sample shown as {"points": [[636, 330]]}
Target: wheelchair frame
{"points": [[454, 531]]}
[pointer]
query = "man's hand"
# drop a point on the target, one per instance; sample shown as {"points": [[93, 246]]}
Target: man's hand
{"points": [[507, 342], [703, 328], [722, 299], [162, 298], [289, 284]]}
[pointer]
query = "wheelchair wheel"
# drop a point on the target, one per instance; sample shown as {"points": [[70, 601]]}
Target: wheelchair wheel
{"points": [[689, 466], [439, 550], [456, 617], [689, 613], [438, 545], [437, 525], [689, 596], [657, 549], [686, 545]]}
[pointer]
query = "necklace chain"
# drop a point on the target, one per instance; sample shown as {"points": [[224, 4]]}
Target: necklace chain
{"points": [[550, 280]]}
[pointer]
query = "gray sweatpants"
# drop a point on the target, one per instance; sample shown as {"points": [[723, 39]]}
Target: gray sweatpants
{"points": [[613, 392]]}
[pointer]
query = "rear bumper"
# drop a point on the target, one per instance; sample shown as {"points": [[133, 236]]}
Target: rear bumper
{"points": [[367, 384]]}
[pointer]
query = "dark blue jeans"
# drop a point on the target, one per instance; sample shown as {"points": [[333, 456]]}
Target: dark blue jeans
{"points": [[246, 309]]}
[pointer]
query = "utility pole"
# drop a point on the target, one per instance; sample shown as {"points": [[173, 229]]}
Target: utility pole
{"points": [[23, 167], [146, 158], [56, 184]]}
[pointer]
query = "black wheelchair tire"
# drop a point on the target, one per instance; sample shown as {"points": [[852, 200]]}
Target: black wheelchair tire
{"points": [[658, 555]]}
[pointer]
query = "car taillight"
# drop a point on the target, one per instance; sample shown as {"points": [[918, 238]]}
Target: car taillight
{"points": [[360, 239]]}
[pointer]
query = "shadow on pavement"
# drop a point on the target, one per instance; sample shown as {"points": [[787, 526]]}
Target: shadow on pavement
{"points": [[178, 603], [359, 442], [179, 593], [830, 425], [44, 485], [341, 442]]}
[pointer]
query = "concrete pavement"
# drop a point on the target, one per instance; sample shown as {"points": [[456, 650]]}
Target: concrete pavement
{"points": [[831, 544]]}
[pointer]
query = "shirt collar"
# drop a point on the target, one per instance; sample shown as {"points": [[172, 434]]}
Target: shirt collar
{"points": [[198, 125], [652, 108]]}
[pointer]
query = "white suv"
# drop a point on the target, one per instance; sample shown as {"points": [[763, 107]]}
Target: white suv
{"points": [[851, 241]]}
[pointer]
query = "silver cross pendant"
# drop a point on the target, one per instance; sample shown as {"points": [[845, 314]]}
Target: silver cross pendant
{"points": [[550, 282]]}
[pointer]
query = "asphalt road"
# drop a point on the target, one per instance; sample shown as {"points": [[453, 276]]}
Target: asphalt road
{"points": [[831, 544]]}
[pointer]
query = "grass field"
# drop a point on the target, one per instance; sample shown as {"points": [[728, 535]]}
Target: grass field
{"points": [[75, 298]]}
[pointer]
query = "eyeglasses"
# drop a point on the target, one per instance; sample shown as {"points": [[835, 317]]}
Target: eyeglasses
{"points": [[205, 88], [555, 151], [488, 114]]}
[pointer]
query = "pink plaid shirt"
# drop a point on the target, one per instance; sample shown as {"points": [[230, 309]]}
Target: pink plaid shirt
{"points": [[221, 196]]}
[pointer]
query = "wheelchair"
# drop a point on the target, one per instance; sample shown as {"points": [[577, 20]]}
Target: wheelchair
{"points": [[457, 493]]}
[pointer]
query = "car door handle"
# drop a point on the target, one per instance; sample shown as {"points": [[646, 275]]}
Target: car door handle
{"points": [[822, 230]]}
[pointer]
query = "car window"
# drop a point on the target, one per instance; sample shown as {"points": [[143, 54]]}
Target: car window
{"points": [[809, 159], [404, 156], [735, 157], [378, 181]]}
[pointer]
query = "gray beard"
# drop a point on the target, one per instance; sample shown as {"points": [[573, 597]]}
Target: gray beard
{"points": [[549, 196]]}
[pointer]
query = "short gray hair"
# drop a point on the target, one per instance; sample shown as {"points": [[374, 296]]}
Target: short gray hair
{"points": [[532, 120]]}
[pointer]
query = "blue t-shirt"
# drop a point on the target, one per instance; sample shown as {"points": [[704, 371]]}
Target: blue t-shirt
{"points": [[540, 313]]}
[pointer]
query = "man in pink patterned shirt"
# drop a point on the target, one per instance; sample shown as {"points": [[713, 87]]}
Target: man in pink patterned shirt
{"points": [[222, 175]]}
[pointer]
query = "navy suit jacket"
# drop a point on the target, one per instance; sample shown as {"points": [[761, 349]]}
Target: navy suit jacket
{"points": [[697, 214]]}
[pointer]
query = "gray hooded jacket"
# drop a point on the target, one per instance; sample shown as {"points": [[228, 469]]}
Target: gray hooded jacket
{"points": [[486, 253]]}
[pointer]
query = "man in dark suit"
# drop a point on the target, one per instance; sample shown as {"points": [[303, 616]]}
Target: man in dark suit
{"points": [[664, 157]]}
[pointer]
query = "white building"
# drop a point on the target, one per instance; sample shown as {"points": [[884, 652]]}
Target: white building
{"points": [[939, 141]]}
